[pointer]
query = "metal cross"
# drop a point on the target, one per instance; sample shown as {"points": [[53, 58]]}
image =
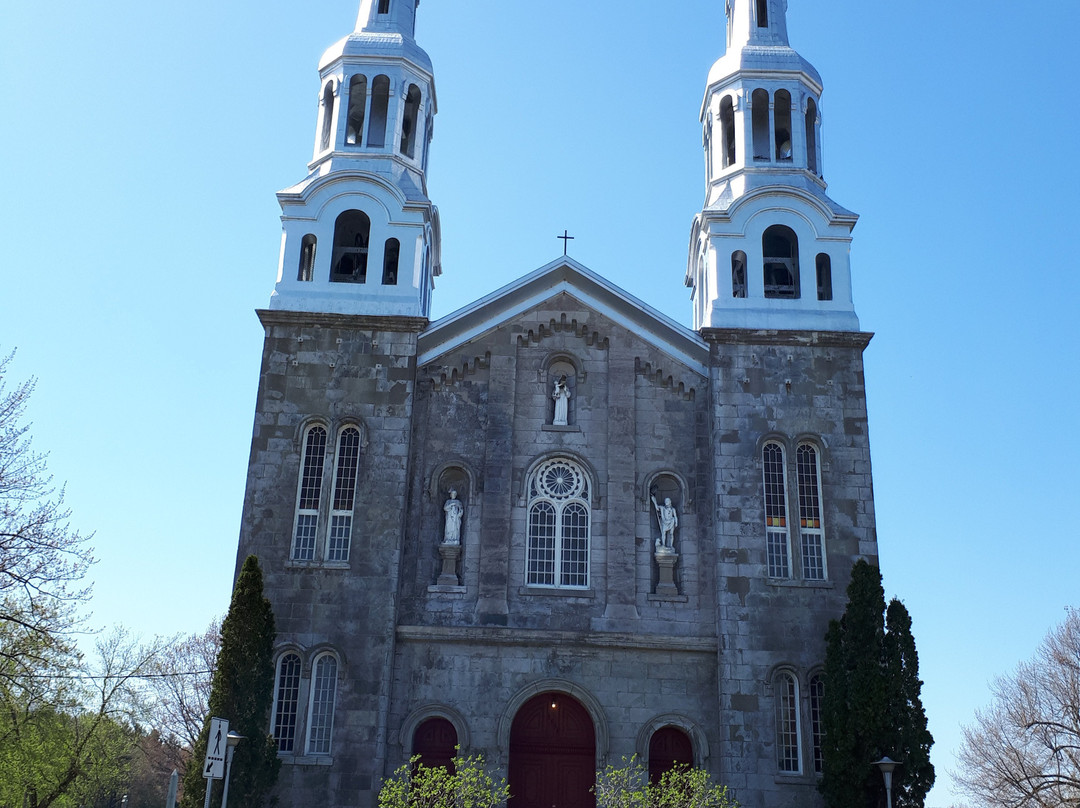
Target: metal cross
{"points": [[566, 239]]}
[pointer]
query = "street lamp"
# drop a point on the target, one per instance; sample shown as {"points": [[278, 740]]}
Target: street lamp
{"points": [[887, 766], [231, 740]]}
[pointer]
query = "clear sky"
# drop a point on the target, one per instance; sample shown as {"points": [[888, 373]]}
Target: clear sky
{"points": [[142, 144]]}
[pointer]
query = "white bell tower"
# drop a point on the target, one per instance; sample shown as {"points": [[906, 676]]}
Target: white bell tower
{"points": [[360, 235], [769, 250]]}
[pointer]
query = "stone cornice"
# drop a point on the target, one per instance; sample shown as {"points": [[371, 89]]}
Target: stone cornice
{"points": [[812, 339], [359, 322], [585, 639]]}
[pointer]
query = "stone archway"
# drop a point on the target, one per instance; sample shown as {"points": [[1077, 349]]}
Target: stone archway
{"points": [[552, 754]]}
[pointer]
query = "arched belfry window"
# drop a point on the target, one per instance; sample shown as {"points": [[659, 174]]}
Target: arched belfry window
{"points": [[824, 277], [306, 270], [738, 274], [384, 6], [759, 113], [727, 130], [558, 524], [354, 122], [782, 127], [780, 247], [328, 115], [763, 13], [777, 545], [391, 253], [380, 103], [408, 121], [811, 136], [351, 232], [786, 688], [286, 701]]}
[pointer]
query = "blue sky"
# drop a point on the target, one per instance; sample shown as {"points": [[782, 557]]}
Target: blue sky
{"points": [[142, 145]]}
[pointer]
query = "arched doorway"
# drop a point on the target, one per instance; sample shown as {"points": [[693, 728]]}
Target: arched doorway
{"points": [[435, 741], [552, 754], [669, 747]]}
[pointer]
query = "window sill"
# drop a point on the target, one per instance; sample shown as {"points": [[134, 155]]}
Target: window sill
{"points": [[306, 760], [322, 565], [794, 583], [557, 592]]}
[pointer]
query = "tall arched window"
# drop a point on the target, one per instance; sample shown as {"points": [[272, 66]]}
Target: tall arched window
{"points": [[810, 529], [310, 491], [669, 747], [738, 274], [287, 696], [354, 122], [727, 130], [776, 529], [380, 103], [780, 246], [391, 252], [323, 695], [811, 136], [435, 742], [351, 231], [346, 464], [384, 6], [787, 723], [306, 270], [558, 542], [328, 115], [824, 277], [817, 727], [763, 13], [408, 121], [782, 124], [759, 113]]}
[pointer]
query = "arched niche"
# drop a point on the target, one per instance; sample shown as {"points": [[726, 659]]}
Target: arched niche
{"points": [[561, 369], [666, 483]]}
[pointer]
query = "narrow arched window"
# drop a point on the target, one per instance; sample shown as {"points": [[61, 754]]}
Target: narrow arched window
{"points": [[380, 103], [391, 253], [384, 6], [354, 122], [286, 700], [759, 111], [824, 277], [780, 246], [558, 542], [435, 743], [787, 723], [776, 527], [763, 13], [817, 726], [738, 274], [807, 470], [669, 748], [346, 465], [328, 115], [323, 695], [727, 130], [782, 125], [351, 232], [811, 136], [309, 494], [306, 270], [408, 121]]}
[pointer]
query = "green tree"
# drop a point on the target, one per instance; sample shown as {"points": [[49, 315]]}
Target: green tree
{"points": [[242, 692], [628, 786], [872, 706], [468, 784]]}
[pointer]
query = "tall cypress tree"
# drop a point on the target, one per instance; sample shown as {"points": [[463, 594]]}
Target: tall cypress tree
{"points": [[242, 692], [872, 706]]}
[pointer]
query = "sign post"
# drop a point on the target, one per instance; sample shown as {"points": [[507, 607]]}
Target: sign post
{"points": [[216, 746]]}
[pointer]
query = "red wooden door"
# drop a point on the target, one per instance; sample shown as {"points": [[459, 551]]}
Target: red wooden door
{"points": [[552, 754], [435, 741], [669, 747]]}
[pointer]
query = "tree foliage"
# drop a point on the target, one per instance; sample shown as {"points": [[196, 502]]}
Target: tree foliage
{"points": [[628, 786], [242, 693], [468, 785], [183, 676], [872, 706], [1023, 751]]}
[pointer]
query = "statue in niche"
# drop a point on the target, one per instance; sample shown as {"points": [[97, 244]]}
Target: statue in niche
{"points": [[454, 511], [561, 394], [668, 518]]}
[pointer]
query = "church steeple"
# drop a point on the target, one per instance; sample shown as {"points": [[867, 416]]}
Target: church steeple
{"points": [[770, 248], [360, 234]]}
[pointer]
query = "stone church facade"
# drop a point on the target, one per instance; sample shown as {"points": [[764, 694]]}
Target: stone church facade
{"points": [[556, 527]]}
